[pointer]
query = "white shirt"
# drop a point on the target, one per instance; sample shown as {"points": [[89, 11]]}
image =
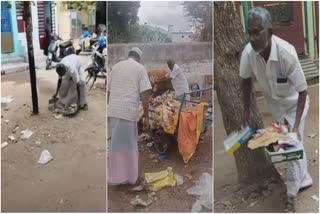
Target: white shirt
{"points": [[126, 81], [178, 80], [73, 65], [283, 62]]}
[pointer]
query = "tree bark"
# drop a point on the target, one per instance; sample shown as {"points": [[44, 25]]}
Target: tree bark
{"points": [[229, 41], [33, 78]]}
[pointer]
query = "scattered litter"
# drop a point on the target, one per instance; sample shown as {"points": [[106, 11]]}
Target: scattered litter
{"points": [[137, 188], [6, 109], [314, 197], [158, 180], [313, 135], [7, 99], [179, 179], [61, 201], [155, 161], [203, 190], [196, 207], [45, 157], [58, 116], [316, 151], [226, 204], [144, 137], [26, 134], [252, 204], [38, 142], [162, 156], [150, 144], [6, 121], [16, 127], [12, 138], [4, 145], [137, 201]]}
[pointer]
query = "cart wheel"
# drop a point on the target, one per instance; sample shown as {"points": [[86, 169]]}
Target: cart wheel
{"points": [[91, 78], [160, 141]]}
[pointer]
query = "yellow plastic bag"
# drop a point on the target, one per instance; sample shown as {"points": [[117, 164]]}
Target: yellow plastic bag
{"points": [[158, 180]]}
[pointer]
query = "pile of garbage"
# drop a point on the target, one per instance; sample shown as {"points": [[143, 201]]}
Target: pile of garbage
{"points": [[275, 138], [166, 97]]}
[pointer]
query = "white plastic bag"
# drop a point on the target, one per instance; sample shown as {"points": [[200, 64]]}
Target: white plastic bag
{"points": [[45, 157], [203, 191]]}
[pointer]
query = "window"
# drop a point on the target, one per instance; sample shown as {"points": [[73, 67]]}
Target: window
{"points": [[281, 13]]}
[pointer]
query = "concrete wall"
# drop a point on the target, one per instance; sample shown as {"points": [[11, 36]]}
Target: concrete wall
{"points": [[192, 57]]}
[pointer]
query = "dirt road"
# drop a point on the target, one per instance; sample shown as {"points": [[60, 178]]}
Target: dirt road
{"points": [[225, 172], [74, 180]]}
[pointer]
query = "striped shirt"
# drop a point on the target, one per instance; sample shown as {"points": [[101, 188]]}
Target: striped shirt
{"points": [[126, 81]]}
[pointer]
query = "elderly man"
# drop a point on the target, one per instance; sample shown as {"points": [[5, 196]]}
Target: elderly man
{"points": [[71, 89], [127, 82], [178, 80], [275, 64]]}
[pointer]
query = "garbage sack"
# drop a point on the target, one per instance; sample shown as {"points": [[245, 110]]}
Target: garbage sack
{"points": [[158, 180], [297, 173], [190, 128], [45, 157], [203, 191]]}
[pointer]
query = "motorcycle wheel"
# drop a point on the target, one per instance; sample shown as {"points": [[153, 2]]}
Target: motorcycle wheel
{"points": [[91, 78]]}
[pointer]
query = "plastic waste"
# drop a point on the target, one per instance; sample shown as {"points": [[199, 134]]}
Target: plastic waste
{"points": [[4, 145], [45, 157], [137, 201], [179, 179], [203, 191], [158, 180], [7, 99], [26, 134]]}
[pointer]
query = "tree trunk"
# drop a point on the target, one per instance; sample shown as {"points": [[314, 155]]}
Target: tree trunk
{"points": [[33, 78], [229, 41]]}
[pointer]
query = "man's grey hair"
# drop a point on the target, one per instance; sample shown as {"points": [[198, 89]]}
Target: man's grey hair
{"points": [[263, 14]]}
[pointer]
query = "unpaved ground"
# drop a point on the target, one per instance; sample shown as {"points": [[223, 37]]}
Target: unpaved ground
{"points": [[74, 180], [225, 172], [169, 199]]}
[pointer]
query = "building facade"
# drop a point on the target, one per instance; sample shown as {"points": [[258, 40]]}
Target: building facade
{"points": [[295, 22]]}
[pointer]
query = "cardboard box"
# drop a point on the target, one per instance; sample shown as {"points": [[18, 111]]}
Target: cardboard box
{"points": [[288, 155]]}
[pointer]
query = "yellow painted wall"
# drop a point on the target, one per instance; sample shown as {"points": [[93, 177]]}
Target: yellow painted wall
{"points": [[64, 23]]}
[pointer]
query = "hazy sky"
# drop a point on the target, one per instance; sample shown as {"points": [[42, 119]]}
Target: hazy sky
{"points": [[162, 14]]}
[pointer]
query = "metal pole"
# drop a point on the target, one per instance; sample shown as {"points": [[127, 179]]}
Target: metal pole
{"points": [[33, 78]]}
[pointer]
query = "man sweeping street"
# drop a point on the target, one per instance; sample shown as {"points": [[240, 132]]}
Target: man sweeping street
{"points": [[127, 82], [275, 64]]}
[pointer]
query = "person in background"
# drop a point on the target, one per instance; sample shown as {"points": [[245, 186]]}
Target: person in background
{"points": [[47, 36], [178, 80]]}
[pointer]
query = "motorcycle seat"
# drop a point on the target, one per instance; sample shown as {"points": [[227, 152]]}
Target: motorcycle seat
{"points": [[65, 44]]}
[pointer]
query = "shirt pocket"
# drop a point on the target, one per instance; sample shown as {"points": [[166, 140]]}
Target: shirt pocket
{"points": [[282, 87]]}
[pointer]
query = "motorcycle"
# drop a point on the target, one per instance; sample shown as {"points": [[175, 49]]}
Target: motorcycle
{"points": [[96, 66], [53, 49]]}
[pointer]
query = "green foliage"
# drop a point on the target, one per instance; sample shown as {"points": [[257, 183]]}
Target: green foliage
{"points": [[201, 13], [122, 21], [80, 5]]}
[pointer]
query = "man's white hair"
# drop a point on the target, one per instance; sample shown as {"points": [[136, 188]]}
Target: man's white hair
{"points": [[263, 14]]}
